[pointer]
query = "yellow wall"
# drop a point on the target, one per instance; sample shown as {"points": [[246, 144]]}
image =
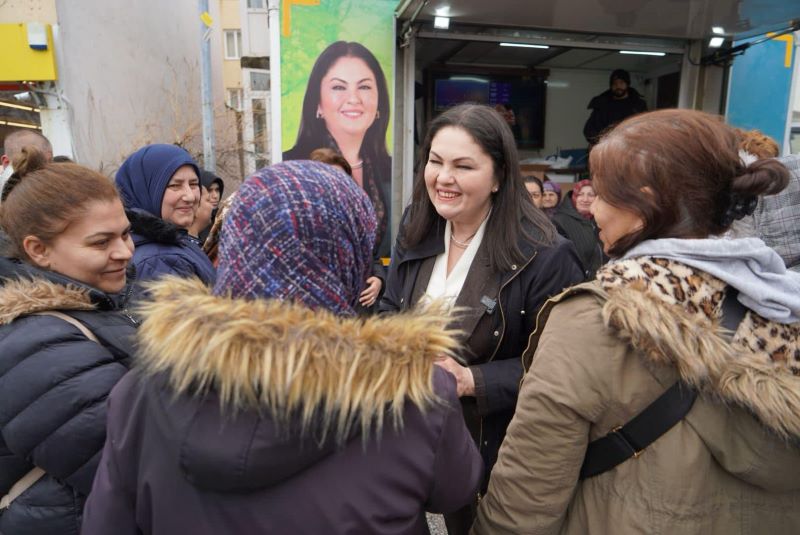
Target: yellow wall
{"points": [[230, 20], [229, 14], [231, 74], [28, 11], [20, 61]]}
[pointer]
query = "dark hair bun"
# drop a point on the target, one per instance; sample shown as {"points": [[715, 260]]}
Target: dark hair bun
{"points": [[762, 177]]}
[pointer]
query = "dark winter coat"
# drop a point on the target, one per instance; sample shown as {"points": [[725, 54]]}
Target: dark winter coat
{"points": [[608, 111], [53, 388], [165, 249], [583, 233], [499, 314], [182, 464]]}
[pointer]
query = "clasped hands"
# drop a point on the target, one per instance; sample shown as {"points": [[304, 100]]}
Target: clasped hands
{"points": [[465, 381]]}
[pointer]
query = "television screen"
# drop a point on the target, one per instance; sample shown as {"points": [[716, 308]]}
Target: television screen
{"points": [[519, 99]]}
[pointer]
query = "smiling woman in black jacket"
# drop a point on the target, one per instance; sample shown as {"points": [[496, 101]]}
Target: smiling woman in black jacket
{"points": [[66, 285], [473, 240]]}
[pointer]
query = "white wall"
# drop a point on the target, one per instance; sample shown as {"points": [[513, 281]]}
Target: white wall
{"points": [[130, 72], [568, 93]]}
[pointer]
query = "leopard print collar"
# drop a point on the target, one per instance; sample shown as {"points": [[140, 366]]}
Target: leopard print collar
{"points": [[701, 295]]}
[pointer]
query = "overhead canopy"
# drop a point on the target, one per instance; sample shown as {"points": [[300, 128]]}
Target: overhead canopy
{"points": [[689, 19]]}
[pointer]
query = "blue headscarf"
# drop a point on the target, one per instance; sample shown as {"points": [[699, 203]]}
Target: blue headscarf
{"points": [[300, 231], [142, 179]]}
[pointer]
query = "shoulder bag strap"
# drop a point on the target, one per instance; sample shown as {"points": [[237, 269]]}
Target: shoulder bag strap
{"points": [[72, 321], [629, 440], [36, 473], [626, 441], [21, 486]]}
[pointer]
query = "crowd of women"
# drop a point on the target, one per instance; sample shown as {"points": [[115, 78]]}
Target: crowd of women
{"points": [[149, 388]]}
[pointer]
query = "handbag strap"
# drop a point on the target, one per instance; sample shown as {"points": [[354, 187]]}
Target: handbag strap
{"points": [[21, 486], [72, 321], [629, 440]]}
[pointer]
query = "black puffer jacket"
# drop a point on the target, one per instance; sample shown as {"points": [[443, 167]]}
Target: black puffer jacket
{"points": [[53, 388]]}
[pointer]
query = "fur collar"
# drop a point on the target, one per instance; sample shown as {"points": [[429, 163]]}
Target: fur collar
{"points": [[27, 296], [150, 228], [671, 312], [288, 359]]}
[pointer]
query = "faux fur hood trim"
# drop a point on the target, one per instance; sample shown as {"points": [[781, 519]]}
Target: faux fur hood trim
{"points": [[290, 360], [27, 296], [704, 357]]}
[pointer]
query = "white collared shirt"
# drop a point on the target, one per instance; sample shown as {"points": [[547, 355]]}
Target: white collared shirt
{"points": [[443, 287]]}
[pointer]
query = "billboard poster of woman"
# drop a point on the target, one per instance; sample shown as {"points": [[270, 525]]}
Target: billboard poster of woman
{"points": [[336, 76]]}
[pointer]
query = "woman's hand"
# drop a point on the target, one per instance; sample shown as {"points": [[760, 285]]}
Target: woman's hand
{"points": [[370, 293], [465, 382]]}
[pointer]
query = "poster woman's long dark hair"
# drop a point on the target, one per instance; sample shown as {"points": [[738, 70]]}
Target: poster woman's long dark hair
{"points": [[313, 134]]}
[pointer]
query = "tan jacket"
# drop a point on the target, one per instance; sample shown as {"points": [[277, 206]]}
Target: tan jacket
{"points": [[601, 359]]}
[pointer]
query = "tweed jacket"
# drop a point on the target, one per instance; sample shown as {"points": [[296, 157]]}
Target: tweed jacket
{"points": [[777, 217]]}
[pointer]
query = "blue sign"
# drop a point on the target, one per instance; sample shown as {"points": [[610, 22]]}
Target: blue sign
{"points": [[760, 87]]}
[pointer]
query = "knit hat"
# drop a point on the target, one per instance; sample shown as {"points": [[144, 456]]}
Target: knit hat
{"points": [[620, 74], [142, 179], [300, 231]]}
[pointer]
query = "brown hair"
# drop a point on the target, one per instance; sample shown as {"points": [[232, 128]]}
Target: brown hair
{"points": [[680, 171], [758, 144], [331, 157], [42, 199], [511, 205]]}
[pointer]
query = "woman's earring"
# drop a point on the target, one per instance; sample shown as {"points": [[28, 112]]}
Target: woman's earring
{"points": [[319, 114], [378, 114], [494, 190]]}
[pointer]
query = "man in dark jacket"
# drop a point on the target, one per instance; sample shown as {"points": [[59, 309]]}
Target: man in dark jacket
{"points": [[616, 104]]}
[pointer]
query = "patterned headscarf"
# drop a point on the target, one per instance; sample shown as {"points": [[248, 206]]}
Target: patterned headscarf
{"points": [[301, 231]]}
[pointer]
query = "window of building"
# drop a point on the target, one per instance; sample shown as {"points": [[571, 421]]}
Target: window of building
{"points": [[255, 4], [259, 81], [233, 44], [233, 97]]}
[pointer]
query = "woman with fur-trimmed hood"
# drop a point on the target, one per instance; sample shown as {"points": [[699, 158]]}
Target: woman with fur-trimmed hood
{"points": [[664, 397], [65, 338], [292, 415]]}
